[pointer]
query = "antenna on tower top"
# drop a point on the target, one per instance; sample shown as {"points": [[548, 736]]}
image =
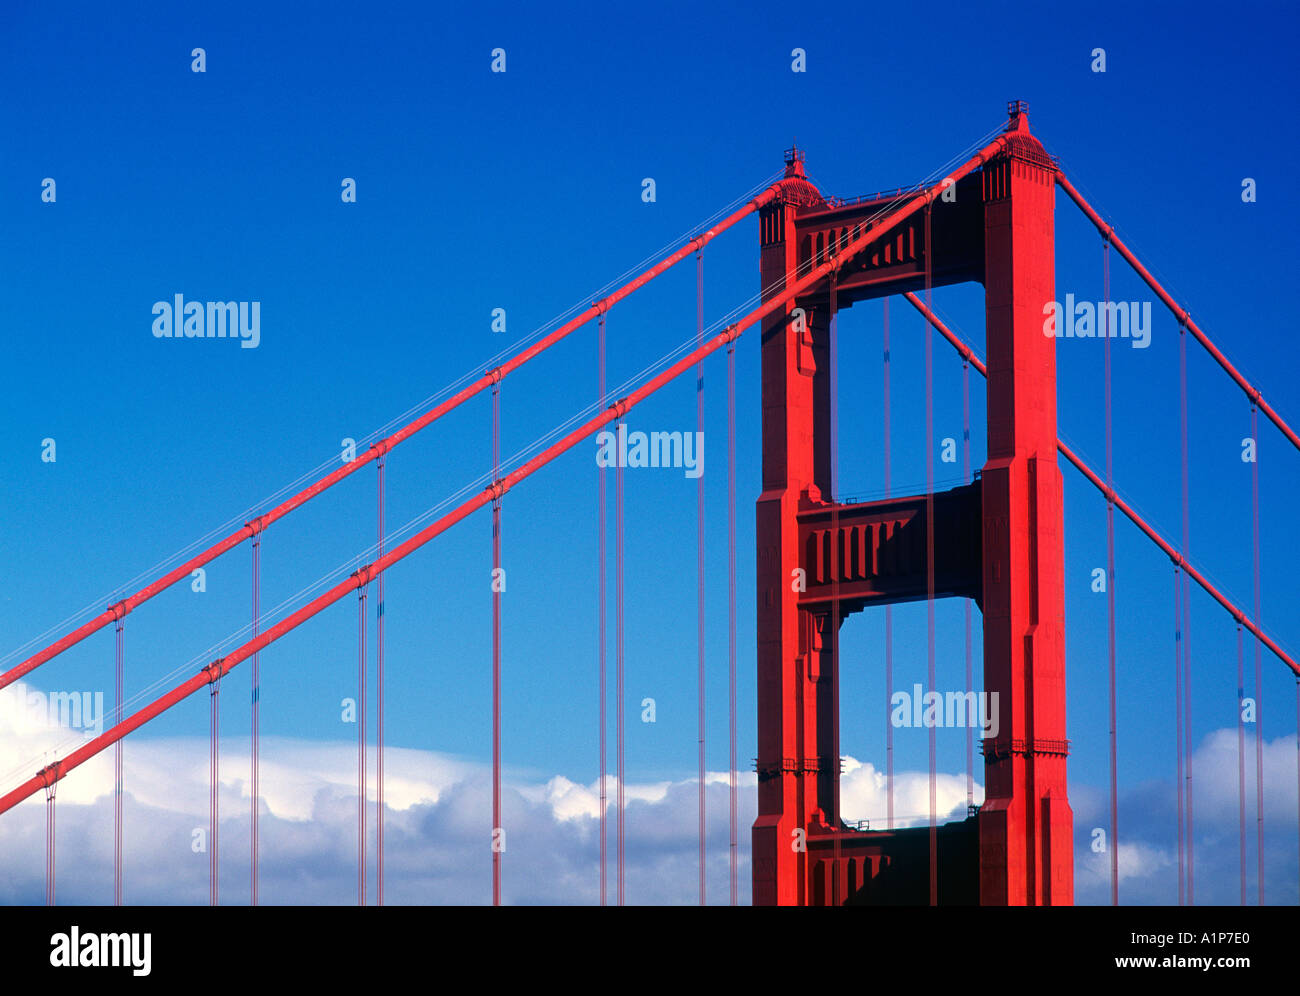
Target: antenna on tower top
{"points": [[794, 157]]}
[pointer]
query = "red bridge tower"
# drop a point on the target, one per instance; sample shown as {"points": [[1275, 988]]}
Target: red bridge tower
{"points": [[998, 541]]}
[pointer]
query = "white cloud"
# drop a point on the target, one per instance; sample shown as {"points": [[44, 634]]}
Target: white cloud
{"points": [[437, 832], [1148, 828], [438, 811], [864, 795]]}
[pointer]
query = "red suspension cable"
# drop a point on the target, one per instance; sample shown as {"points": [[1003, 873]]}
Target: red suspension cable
{"points": [[402, 434], [1174, 556], [360, 577], [699, 541], [1184, 573], [601, 638], [1184, 319], [497, 830], [1110, 590], [731, 619]]}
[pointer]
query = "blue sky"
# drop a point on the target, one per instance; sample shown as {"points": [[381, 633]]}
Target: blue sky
{"points": [[522, 190]]}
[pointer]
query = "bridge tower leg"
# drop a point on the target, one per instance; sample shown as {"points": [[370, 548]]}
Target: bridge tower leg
{"points": [[1025, 823], [798, 721]]}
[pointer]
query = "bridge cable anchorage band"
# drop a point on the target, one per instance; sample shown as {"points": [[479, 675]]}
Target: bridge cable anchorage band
{"points": [[364, 575], [620, 407], [601, 306], [213, 671], [498, 489], [382, 447], [49, 776], [119, 610], [255, 526], [494, 375], [732, 332]]}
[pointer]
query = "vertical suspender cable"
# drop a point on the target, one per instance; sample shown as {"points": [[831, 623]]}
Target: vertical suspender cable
{"points": [[51, 787], [379, 705], [256, 718], [1110, 589], [117, 769], [1241, 766], [361, 745], [889, 609], [497, 830], [1259, 687], [699, 539], [970, 675], [214, 791], [929, 561], [1178, 733], [1188, 741], [600, 603], [731, 616], [618, 666], [1186, 623], [837, 563]]}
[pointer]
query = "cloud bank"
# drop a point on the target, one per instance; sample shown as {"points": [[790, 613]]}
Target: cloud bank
{"points": [[438, 832]]}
